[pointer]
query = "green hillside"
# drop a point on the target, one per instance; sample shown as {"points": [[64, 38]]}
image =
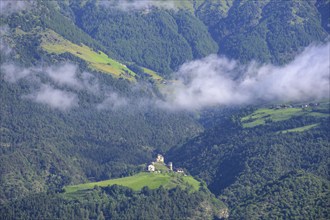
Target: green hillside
{"points": [[160, 40], [247, 165], [263, 116], [300, 129], [118, 202], [299, 192], [138, 181], [266, 31], [261, 162], [97, 60]]}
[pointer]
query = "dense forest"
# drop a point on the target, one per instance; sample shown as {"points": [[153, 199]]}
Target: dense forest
{"points": [[86, 125], [116, 202], [267, 31], [241, 164]]}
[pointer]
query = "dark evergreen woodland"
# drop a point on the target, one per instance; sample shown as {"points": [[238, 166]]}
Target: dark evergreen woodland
{"points": [[259, 172]]}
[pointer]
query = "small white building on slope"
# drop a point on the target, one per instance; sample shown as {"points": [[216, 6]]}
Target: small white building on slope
{"points": [[151, 168]]}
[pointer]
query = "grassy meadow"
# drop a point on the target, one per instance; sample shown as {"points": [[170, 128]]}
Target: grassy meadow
{"points": [[138, 181], [97, 60], [262, 115], [300, 129]]}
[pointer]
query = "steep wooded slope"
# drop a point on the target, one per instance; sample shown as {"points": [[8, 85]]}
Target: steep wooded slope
{"points": [[266, 31], [245, 166], [43, 149]]}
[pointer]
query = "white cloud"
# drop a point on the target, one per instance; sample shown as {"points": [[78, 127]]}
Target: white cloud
{"points": [[54, 98], [90, 83], [8, 7], [212, 81], [129, 5], [13, 73], [5, 49], [112, 101], [198, 84], [68, 74], [65, 74]]}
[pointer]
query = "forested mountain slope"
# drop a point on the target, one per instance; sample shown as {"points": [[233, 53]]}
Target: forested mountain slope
{"points": [[266, 31], [244, 166], [78, 105], [160, 40], [83, 143]]}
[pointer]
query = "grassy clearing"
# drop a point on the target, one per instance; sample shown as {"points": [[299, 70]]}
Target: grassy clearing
{"points": [[97, 60], [192, 182], [300, 129], [138, 181], [261, 116], [153, 75], [161, 167]]}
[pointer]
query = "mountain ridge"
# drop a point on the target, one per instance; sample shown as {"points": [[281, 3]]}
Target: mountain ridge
{"points": [[247, 157]]}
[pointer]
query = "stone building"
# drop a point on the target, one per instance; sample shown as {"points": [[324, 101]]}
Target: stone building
{"points": [[170, 166], [160, 158], [151, 168]]}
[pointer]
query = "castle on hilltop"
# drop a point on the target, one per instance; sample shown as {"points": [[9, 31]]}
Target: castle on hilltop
{"points": [[160, 158], [159, 165]]}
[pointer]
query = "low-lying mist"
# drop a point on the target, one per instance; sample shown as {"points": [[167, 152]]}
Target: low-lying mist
{"points": [[58, 86], [209, 82], [137, 5], [216, 80], [7, 7]]}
